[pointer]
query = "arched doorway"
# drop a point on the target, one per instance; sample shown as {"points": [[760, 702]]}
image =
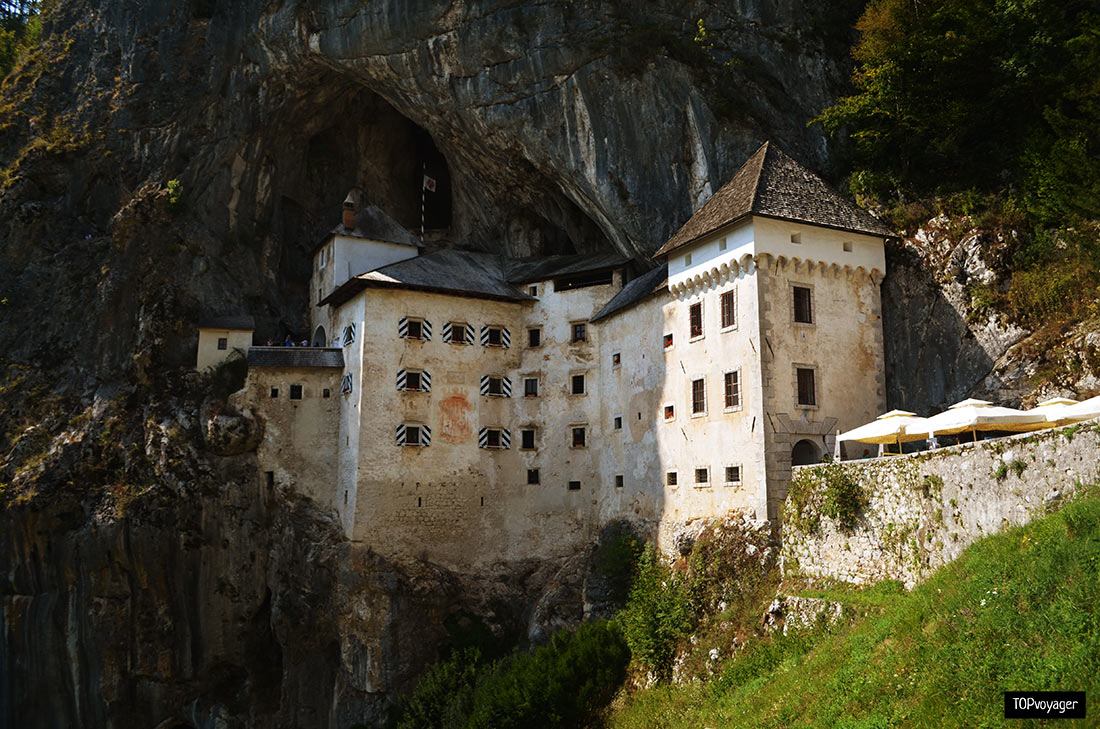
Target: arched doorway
{"points": [[805, 453], [319, 339]]}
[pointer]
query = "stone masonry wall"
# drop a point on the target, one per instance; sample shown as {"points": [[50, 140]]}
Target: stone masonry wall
{"points": [[924, 509]]}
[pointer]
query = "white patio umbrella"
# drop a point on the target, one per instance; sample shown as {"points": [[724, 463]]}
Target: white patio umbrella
{"points": [[886, 428], [1052, 410], [1084, 410], [974, 415]]}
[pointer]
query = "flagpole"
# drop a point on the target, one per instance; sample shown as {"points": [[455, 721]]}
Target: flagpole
{"points": [[423, 195]]}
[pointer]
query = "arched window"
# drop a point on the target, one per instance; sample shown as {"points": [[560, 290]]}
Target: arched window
{"points": [[805, 453], [319, 339]]}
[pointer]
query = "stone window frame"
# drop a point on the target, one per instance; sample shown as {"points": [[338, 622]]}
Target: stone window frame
{"points": [[583, 374], [534, 438], [740, 474], [702, 321], [740, 391], [584, 436], [792, 285], [616, 360], [620, 480], [533, 476], [664, 412], [730, 327], [668, 341], [529, 331], [297, 392], [672, 479], [706, 482], [691, 396], [617, 422], [795, 367], [583, 324], [538, 385], [223, 344], [573, 485]]}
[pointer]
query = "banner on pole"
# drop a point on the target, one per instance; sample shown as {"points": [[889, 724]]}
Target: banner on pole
{"points": [[429, 183]]}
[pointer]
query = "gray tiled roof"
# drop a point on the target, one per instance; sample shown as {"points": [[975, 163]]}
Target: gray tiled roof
{"points": [[295, 357], [372, 223], [528, 270], [773, 185], [645, 285], [242, 322]]}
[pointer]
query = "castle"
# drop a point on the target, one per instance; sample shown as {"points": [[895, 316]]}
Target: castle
{"points": [[469, 408]]}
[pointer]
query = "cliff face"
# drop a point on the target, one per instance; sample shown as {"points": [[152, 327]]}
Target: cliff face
{"points": [[202, 600]]}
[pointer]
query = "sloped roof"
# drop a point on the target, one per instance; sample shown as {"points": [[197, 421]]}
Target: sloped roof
{"points": [[772, 184], [463, 273], [242, 323], [371, 223], [295, 357], [528, 270], [645, 285]]}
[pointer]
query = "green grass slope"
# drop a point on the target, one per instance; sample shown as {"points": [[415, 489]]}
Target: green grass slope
{"points": [[1019, 610]]}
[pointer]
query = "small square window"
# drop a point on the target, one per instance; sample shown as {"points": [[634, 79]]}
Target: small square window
{"points": [[616, 359], [295, 392], [847, 245], [496, 386], [458, 332], [412, 381], [698, 397], [695, 319], [578, 436], [532, 290], [733, 474], [574, 485], [722, 244], [803, 305], [796, 238], [527, 439], [618, 481], [532, 476], [670, 478], [492, 438], [580, 332], [687, 260], [668, 341], [412, 435], [494, 338], [618, 422], [325, 392], [415, 330], [670, 412], [702, 475], [223, 343], [577, 386], [534, 337], [530, 387], [274, 392]]}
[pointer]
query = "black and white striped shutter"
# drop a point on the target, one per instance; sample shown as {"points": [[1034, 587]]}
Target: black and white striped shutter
{"points": [[400, 439], [426, 381], [403, 327], [425, 435], [469, 334], [446, 331], [483, 438], [425, 329], [484, 336], [505, 338], [506, 386], [484, 386], [505, 438], [345, 384], [349, 334], [402, 376]]}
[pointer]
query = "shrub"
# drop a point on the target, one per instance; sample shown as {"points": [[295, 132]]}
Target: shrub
{"points": [[843, 498], [656, 616], [617, 557]]}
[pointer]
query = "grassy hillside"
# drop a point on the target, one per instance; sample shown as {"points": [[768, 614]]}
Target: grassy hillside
{"points": [[1019, 611]]}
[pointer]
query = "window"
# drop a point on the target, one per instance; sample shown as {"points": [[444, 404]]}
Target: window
{"points": [[325, 392], [796, 238], [732, 385], [534, 337], [616, 359], [806, 393], [698, 397], [527, 439], [847, 245], [722, 244], [803, 308], [733, 474], [414, 329], [695, 320], [223, 343], [530, 387], [532, 290], [670, 412], [295, 392], [496, 386], [345, 384], [618, 422], [670, 478], [702, 475], [577, 384], [574, 485], [414, 381], [494, 438], [578, 436], [274, 392], [533, 476], [580, 332], [495, 337], [618, 481], [729, 309], [458, 332], [349, 334], [687, 260], [413, 435], [668, 341]]}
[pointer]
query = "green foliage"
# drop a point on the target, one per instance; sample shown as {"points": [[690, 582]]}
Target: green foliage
{"points": [[1018, 467], [657, 615], [616, 558], [844, 499], [1020, 608], [18, 34], [1001, 471], [175, 196], [562, 684], [227, 377]]}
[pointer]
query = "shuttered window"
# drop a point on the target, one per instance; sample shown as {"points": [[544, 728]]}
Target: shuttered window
{"points": [[414, 328], [494, 438], [414, 380], [495, 386], [695, 320], [457, 332], [495, 337], [806, 390], [413, 435]]}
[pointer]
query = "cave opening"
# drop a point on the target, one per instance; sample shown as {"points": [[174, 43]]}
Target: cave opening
{"points": [[435, 187]]}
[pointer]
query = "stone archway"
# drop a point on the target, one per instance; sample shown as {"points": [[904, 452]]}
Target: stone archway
{"points": [[805, 453], [319, 338]]}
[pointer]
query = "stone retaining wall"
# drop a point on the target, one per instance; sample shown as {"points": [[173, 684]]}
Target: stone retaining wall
{"points": [[924, 509]]}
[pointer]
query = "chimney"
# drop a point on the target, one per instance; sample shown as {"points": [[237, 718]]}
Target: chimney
{"points": [[351, 205]]}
